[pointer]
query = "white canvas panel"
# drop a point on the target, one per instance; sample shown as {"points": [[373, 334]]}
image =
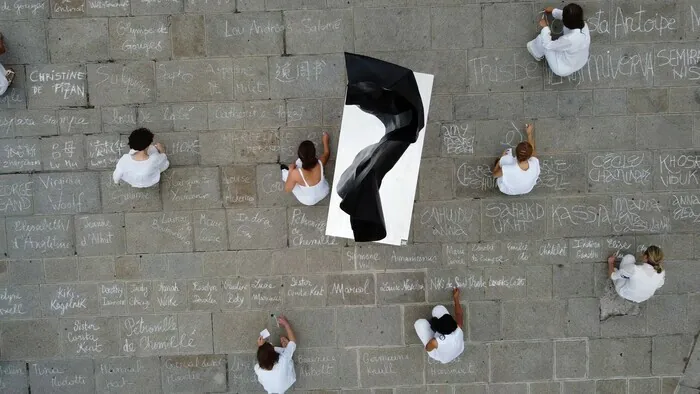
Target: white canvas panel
{"points": [[358, 130]]}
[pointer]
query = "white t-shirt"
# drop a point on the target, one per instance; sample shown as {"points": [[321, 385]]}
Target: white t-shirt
{"points": [[449, 347], [569, 53], [143, 173], [282, 376], [637, 282], [515, 180]]}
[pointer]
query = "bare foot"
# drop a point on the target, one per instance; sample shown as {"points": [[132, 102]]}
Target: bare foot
{"points": [[284, 341]]}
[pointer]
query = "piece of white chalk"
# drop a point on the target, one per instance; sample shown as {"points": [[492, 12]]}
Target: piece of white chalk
{"points": [[264, 333]]}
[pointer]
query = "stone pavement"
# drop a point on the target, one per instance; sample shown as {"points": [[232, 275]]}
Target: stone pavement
{"points": [[109, 289]]}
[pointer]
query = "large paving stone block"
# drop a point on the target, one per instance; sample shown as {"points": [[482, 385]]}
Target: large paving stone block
{"points": [[435, 181], [456, 27], [104, 151], [365, 257], [620, 171], [391, 366], [66, 193], [119, 119], [251, 78], [304, 291], [190, 188], [57, 85], [447, 66], [532, 319], [68, 8], [140, 37], [113, 296], [201, 80], [579, 216], [265, 293], [118, 84], [676, 170], [571, 359], [307, 76], [521, 30], [640, 214], [579, 387], [30, 339], [666, 314], [307, 227], [441, 282], [73, 40], [505, 282], [62, 376], [503, 70], [325, 368], [182, 148], [677, 129], [513, 219], [107, 8], [19, 302], [27, 38], [69, 299], [63, 153], [236, 293], [241, 376], [210, 230], [573, 280], [193, 373], [449, 222], [204, 295], [42, 236], [245, 325], [13, 375], [188, 36], [145, 7], [170, 232], [249, 33], [26, 10], [514, 361], [165, 334], [416, 256], [313, 31], [90, 337], [354, 322], [239, 185], [391, 29], [644, 385], [669, 69], [256, 228], [485, 320], [351, 289], [684, 210], [471, 366], [539, 281], [122, 197], [400, 288], [169, 296], [669, 354], [99, 234], [25, 272], [28, 123], [561, 174], [647, 101], [315, 327], [575, 103], [20, 155], [121, 374], [620, 357], [17, 197]]}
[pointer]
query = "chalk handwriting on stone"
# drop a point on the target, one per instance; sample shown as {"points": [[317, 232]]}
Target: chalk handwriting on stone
{"points": [[447, 221], [457, 139]]}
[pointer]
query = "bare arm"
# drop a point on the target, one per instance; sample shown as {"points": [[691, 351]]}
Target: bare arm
{"points": [[459, 313], [291, 179], [530, 131], [290, 333], [611, 265], [326, 149]]}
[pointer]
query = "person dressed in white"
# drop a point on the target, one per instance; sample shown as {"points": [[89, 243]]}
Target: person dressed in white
{"points": [[518, 175], [308, 183], [442, 335], [569, 53], [638, 282], [6, 76], [275, 367], [141, 167]]}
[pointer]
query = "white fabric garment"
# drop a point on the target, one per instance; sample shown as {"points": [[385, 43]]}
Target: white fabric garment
{"points": [[637, 282], [282, 376], [4, 83], [449, 346], [309, 195], [144, 173], [565, 55], [515, 180]]}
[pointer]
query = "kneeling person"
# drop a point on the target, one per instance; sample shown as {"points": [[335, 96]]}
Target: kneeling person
{"points": [[275, 368], [442, 335]]}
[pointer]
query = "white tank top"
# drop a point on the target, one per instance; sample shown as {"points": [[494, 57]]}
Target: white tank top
{"points": [[310, 195]]}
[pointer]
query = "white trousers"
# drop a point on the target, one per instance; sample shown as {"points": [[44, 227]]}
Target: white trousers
{"points": [[538, 47], [4, 83], [422, 326]]}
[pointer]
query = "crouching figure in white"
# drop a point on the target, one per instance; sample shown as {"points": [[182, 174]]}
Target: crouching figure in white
{"points": [[442, 335]]}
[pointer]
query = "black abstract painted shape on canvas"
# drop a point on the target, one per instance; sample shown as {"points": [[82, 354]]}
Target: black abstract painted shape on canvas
{"points": [[390, 93]]}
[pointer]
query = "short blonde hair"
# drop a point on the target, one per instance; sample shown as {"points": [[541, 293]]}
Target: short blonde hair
{"points": [[655, 256]]}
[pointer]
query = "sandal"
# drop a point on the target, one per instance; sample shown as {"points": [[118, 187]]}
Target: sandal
{"points": [[10, 76]]}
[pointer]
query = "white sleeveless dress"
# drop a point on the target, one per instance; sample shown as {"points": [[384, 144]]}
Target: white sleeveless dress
{"points": [[309, 195]]}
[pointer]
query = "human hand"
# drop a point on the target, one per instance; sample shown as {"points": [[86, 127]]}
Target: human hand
{"points": [[611, 260], [160, 147], [455, 293], [543, 23], [261, 341], [529, 128], [326, 138], [283, 321], [549, 10]]}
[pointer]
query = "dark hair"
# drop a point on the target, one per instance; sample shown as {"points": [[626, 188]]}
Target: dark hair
{"points": [[307, 154], [572, 16], [140, 139], [523, 151], [267, 356], [444, 325]]}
